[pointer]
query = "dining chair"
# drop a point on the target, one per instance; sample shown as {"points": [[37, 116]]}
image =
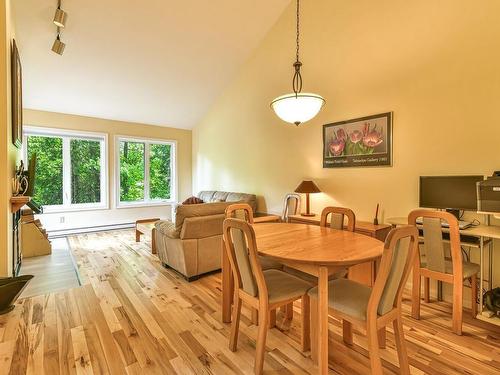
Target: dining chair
{"points": [[245, 212], [433, 263], [337, 218], [337, 222], [373, 308], [264, 290]]}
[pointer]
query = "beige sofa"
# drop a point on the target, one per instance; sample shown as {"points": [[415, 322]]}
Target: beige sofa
{"points": [[192, 242]]}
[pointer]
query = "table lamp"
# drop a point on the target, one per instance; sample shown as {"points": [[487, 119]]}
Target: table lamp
{"points": [[307, 187]]}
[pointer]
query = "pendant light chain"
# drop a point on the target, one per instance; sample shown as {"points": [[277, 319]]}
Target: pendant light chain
{"points": [[297, 77]]}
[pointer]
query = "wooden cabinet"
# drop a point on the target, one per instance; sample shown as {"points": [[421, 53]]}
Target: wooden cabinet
{"points": [[364, 273]]}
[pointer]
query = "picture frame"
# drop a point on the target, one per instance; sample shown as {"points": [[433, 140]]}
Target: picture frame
{"points": [[17, 96], [359, 142]]}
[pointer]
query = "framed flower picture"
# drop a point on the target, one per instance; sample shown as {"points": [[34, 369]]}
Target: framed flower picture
{"points": [[361, 142]]}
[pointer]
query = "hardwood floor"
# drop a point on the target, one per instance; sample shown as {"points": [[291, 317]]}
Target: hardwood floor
{"points": [[131, 316], [53, 273]]}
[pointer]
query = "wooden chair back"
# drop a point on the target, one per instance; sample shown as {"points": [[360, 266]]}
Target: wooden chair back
{"points": [[291, 206], [433, 253], [337, 220], [398, 258], [241, 249], [240, 211]]}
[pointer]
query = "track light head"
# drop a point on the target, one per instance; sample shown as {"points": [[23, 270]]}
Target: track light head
{"points": [[58, 46], [60, 17]]}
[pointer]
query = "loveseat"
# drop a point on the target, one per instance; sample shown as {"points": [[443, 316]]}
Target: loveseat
{"points": [[191, 243]]}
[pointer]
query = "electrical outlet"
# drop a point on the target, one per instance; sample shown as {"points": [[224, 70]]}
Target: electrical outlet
{"points": [[61, 219]]}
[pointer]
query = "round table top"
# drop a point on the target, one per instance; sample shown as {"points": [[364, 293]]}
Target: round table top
{"points": [[313, 244]]}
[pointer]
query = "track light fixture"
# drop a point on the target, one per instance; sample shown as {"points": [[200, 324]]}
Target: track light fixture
{"points": [[58, 46], [60, 16], [60, 21]]}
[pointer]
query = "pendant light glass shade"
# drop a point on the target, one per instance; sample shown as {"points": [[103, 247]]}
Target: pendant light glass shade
{"points": [[297, 108]]}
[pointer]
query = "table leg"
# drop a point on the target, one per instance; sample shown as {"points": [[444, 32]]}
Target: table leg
{"points": [[481, 274], [227, 288], [323, 320]]}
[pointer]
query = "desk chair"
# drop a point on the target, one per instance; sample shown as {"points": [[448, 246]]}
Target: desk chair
{"points": [[244, 211], [374, 308], [264, 290], [433, 264]]}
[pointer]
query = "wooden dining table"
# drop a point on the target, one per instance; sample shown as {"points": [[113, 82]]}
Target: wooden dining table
{"points": [[318, 251]]}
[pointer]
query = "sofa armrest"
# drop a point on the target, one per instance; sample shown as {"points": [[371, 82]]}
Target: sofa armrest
{"points": [[167, 228]]}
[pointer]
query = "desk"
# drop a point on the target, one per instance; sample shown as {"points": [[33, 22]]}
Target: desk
{"points": [[485, 233], [362, 273], [317, 251]]}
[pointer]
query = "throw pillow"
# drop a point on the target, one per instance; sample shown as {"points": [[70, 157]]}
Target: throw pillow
{"points": [[193, 200]]}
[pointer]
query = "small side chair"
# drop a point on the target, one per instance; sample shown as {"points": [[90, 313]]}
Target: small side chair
{"points": [[374, 308], [264, 290], [434, 264]]}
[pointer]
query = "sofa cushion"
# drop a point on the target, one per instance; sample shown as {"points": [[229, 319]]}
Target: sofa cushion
{"points": [[206, 196], [220, 196], [166, 228], [251, 199]]}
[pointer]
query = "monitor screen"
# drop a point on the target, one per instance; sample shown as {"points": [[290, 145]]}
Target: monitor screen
{"points": [[453, 192]]}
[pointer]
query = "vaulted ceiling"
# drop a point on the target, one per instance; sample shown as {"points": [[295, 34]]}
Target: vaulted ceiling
{"points": [[159, 62]]}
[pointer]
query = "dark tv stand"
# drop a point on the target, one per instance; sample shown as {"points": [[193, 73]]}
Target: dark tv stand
{"points": [[454, 212]]}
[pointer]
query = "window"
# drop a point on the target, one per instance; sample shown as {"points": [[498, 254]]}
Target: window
{"points": [[70, 168], [145, 171]]}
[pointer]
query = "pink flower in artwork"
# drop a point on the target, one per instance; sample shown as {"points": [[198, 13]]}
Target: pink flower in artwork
{"points": [[356, 136], [372, 138], [337, 147], [341, 134]]}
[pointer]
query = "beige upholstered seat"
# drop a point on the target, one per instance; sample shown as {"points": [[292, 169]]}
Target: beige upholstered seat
{"points": [[348, 297], [374, 308], [264, 291], [468, 269], [282, 286], [435, 264]]}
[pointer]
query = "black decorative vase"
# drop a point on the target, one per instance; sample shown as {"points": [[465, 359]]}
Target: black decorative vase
{"points": [[10, 289]]}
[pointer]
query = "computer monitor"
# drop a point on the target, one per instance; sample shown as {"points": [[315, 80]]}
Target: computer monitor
{"points": [[449, 192]]}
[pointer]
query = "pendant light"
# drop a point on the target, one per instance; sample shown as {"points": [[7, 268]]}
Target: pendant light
{"points": [[297, 107]]}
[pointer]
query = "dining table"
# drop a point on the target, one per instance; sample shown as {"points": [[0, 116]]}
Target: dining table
{"points": [[318, 251]]}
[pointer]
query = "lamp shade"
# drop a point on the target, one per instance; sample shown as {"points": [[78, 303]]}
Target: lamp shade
{"points": [[307, 187], [297, 108], [58, 46]]}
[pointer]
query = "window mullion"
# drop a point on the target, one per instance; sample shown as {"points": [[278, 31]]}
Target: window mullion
{"points": [[147, 194], [66, 172]]}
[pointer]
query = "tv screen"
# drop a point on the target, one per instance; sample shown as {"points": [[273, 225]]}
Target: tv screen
{"points": [[452, 192]]}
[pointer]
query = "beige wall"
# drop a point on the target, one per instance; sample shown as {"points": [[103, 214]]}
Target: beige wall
{"points": [[433, 63], [112, 128], [8, 153]]}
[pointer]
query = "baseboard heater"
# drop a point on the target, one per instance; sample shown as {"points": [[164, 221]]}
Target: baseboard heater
{"points": [[100, 228]]}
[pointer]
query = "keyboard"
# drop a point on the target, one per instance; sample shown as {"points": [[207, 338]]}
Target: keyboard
{"points": [[461, 224]]}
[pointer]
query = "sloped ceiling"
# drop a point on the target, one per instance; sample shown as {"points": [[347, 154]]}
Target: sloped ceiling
{"points": [[159, 62]]}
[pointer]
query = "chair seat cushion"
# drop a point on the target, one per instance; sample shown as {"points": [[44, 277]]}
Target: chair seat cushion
{"points": [[282, 286], [468, 269], [267, 263], [313, 280], [347, 297]]}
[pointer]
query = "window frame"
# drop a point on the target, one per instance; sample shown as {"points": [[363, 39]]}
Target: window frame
{"points": [[146, 202], [67, 136]]}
